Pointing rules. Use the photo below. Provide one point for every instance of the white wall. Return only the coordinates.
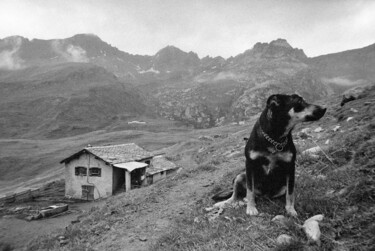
(73, 183)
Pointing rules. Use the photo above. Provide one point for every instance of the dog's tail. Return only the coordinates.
(223, 195)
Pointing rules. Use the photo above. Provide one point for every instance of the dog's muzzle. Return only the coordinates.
(317, 113)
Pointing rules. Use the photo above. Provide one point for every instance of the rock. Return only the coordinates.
(318, 217)
(63, 242)
(343, 191)
(280, 219)
(353, 94)
(318, 129)
(311, 228)
(327, 142)
(348, 119)
(197, 220)
(336, 128)
(305, 130)
(353, 110)
(75, 221)
(312, 151)
(304, 135)
(142, 238)
(61, 237)
(207, 138)
(284, 239)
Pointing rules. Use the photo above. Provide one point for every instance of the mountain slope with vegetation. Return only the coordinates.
(202, 92)
(338, 182)
(64, 100)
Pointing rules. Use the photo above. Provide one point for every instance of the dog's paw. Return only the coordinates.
(291, 211)
(251, 210)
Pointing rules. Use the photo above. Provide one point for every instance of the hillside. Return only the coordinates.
(338, 182)
(346, 68)
(63, 100)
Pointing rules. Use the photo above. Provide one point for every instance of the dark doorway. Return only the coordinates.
(137, 177)
(118, 180)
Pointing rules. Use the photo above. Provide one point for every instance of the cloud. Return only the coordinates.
(71, 53)
(76, 53)
(210, 27)
(8, 58)
(343, 81)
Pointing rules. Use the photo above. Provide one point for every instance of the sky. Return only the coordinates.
(208, 27)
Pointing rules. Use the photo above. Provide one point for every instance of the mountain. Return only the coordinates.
(346, 68)
(230, 90)
(171, 59)
(18, 53)
(63, 100)
(205, 91)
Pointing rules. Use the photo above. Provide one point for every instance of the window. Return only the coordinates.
(81, 171)
(95, 171)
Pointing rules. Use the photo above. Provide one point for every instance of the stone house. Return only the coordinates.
(101, 171)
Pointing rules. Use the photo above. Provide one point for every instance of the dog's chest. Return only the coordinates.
(269, 161)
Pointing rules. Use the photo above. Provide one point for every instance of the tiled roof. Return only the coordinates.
(159, 164)
(115, 154)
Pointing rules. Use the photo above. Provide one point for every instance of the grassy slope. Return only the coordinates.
(27, 162)
(339, 184)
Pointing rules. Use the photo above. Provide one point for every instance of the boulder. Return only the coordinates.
(284, 239)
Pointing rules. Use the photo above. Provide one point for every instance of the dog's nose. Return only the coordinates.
(320, 112)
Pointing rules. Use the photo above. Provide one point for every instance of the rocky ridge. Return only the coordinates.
(203, 92)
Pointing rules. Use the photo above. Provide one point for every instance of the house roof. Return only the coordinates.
(114, 154)
(159, 164)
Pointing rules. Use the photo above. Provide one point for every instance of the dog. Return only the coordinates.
(271, 154)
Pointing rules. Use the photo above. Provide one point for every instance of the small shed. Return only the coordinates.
(159, 168)
(100, 171)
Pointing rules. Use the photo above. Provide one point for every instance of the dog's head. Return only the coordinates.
(290, 110)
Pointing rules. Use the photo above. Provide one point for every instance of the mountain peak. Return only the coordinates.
(14, 39)
(281, 42)
(86, 35)
(276, 49)
(172, 58)
(170, 49)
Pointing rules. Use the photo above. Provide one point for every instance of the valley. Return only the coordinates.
(60, 95)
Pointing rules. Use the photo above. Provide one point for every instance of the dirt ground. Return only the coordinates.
(17, 232)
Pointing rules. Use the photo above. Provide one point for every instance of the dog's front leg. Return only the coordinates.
(250, 191)
(238, 184)
(290, 192)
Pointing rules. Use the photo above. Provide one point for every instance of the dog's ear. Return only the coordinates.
(273, 101)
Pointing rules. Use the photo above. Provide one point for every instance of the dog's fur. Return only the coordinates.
(270, 171)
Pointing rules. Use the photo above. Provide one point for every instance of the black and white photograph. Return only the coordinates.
(187, 125)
